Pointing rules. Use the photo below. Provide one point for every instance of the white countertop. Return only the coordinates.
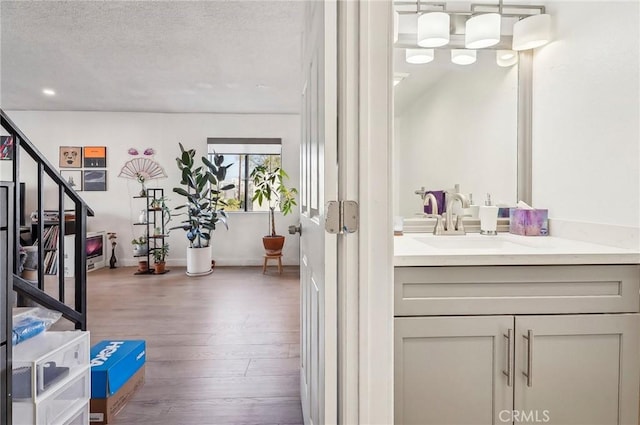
(473, 249)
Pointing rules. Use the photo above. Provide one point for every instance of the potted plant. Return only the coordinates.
(140, 246)
(268, 186)
(159, 256)
(203, 202)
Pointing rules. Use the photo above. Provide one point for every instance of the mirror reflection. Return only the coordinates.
(454, 124)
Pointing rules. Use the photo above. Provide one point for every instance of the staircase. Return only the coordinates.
(67, 197)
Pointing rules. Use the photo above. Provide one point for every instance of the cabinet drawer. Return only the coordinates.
(79, 417)
(46, 360)
(425, 291)
(56, 406)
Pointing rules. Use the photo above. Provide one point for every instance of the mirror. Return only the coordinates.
(455, 124)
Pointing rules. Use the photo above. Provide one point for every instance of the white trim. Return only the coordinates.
(328, 190)
(244, 149)
(348, 179)
(376, 231)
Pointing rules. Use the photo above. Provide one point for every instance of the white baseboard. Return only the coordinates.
(222, 262)
(605, 234)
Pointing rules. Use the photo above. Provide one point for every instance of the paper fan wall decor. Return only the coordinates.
(142, 167)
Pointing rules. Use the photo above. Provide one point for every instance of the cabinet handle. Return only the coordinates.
(509, 372)
(528, 373)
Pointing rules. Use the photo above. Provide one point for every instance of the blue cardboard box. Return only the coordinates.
(113, 362)
(117, 371)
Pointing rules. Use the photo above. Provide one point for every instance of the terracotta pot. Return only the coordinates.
(143, 266)
(159, 268)
(273, 244)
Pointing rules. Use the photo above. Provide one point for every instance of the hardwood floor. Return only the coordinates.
(221, 349)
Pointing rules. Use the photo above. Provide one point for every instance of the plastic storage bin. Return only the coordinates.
(43, 363)
(79, 417)
(58, 404)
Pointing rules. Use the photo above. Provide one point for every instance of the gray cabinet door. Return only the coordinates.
(583, 369)
(449, 370)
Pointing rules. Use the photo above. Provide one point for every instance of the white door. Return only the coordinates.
(575, 365)
(452, 370)
(318, 356)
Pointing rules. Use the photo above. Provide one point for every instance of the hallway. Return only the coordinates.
(221, 349)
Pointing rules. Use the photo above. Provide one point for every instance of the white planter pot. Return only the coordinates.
(199, 261)
(140, 249)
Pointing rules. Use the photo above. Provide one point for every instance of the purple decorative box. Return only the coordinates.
(528, 222)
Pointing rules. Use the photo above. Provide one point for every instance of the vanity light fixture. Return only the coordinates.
(465, 32)
(531, 32)
(433, 29)
(463, 56)
(419, 56)
(506, 58)
(48, 92)
(482, 31)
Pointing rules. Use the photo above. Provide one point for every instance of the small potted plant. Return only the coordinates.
(203, 206)
(159, 256)
(269, 187)
(140, 246)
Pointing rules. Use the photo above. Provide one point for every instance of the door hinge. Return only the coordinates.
(341, 217)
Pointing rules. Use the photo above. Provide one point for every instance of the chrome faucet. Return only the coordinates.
(449, 227)
(438, 229)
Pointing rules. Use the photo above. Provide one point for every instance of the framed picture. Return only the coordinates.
(94, 180)
(70, 157)
(73, 177)
(95, 156)
(6, 147)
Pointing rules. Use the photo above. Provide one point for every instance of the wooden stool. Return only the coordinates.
(272, 257)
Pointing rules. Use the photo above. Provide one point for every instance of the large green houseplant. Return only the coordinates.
(269, 187)
(203, 205)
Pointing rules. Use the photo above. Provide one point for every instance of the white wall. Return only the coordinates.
(462, 130)
(586, 97)
(115, 209)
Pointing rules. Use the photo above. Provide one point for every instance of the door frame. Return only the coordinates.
(365, 310)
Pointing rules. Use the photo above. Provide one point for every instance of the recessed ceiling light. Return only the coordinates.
(48, 92)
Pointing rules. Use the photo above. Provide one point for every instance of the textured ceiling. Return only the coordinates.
(157, 56)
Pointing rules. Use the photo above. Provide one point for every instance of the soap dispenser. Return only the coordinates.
(473, 209)
(488, 218)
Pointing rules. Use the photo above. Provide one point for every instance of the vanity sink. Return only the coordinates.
(469, 242)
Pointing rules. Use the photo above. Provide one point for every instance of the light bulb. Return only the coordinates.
(531, 32)
(506, 57)
(433, 29)
(463, 56)
(482, 31)
(419, 56)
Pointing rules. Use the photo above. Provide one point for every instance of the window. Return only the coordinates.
(244, 155)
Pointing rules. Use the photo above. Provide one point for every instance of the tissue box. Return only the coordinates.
(528, 222)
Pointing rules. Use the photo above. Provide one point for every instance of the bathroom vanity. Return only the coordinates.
(510, 329)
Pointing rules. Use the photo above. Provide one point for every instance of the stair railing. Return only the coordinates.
(77, 314)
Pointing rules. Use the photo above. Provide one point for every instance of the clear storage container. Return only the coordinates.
(59, 404)
(79, 417)
(43, 363)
